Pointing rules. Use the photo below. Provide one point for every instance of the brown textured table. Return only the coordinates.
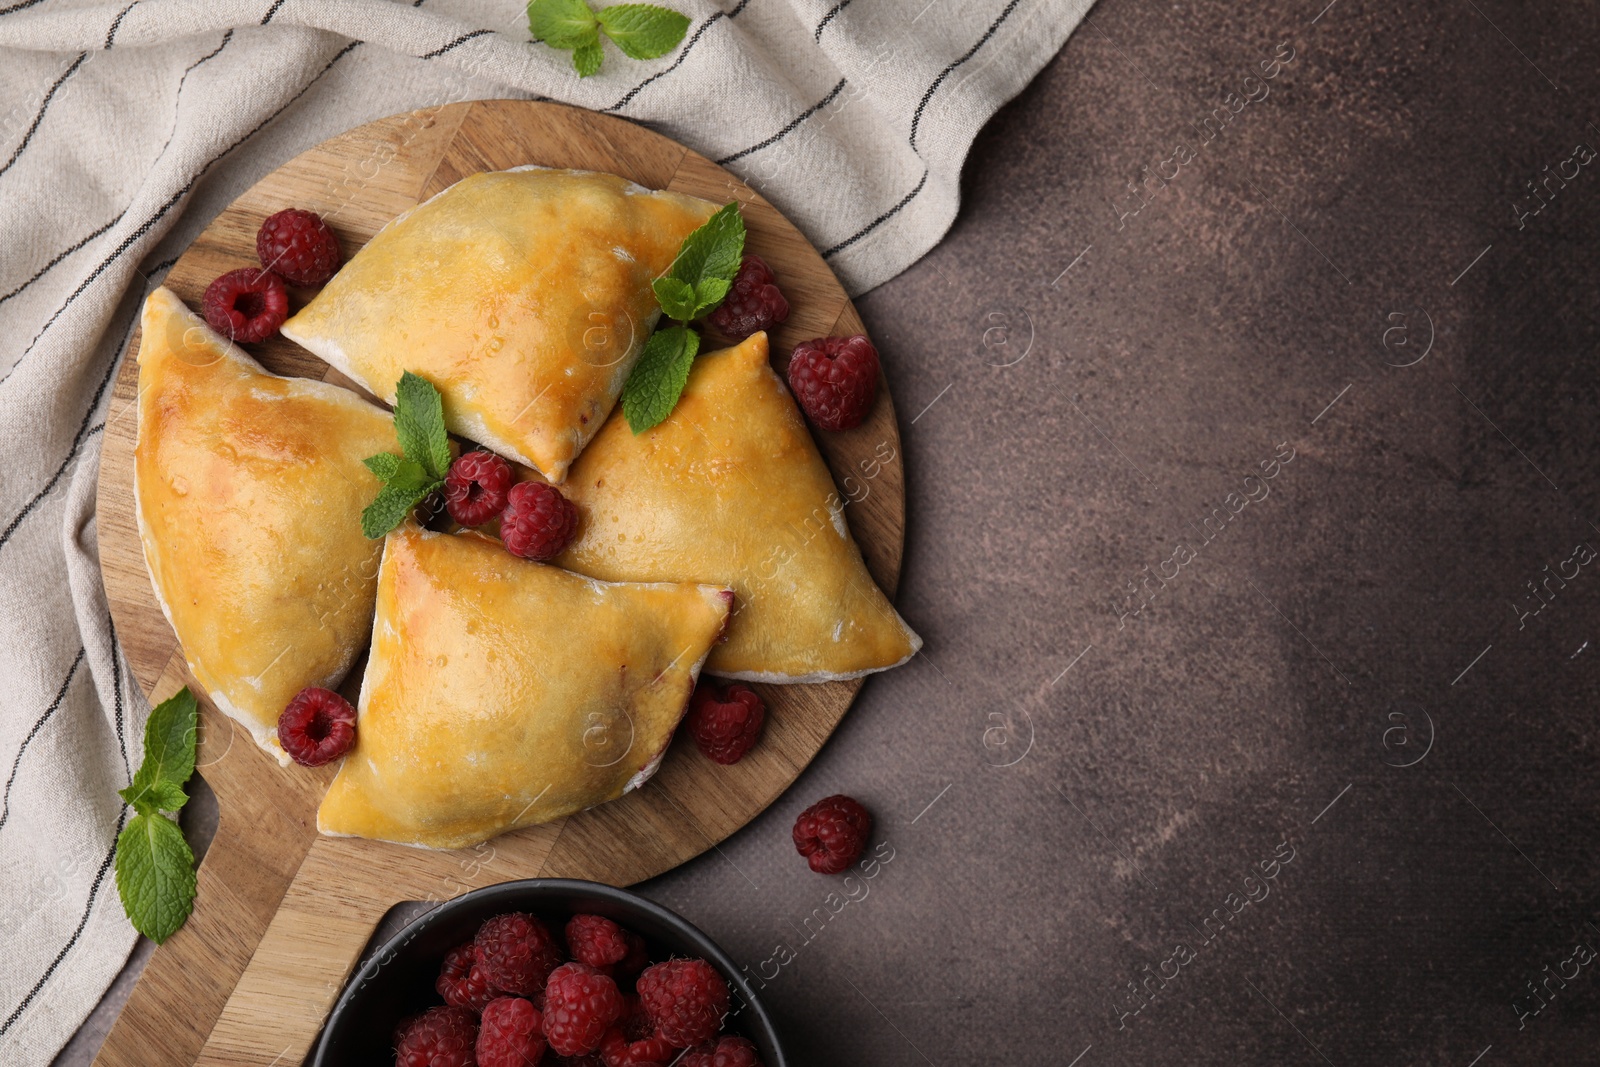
(1155, 675)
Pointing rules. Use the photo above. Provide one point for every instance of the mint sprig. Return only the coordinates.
(408, 478)
(641, 31)
(697, 281)
(154, 867)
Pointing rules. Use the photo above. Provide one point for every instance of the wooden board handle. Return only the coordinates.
(299, 967)
(185, 985)
(326, 919)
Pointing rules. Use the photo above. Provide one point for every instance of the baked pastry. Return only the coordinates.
(502, 693)
(522, 295)
(730, 489)
(248, 489)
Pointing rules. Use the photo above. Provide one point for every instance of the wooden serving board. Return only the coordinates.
(282, 914)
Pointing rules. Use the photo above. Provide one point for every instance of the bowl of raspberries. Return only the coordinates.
(549, 973)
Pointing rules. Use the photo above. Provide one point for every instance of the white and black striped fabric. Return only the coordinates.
(126, 126)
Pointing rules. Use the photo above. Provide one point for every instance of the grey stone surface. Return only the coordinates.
(1335, 681)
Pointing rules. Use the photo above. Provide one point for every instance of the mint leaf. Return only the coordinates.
(587, 57)
(676, 297)
(149, 797)
(658, 378)
(709, 293)
(390, 509)
(384, 465)
(643, 31)
(170, 743)
(563, 23)
(408, 474)
(155, 875)
(711, 253)
(155, 869)
(419, 423)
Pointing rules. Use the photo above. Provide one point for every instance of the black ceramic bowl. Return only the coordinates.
(397, 980)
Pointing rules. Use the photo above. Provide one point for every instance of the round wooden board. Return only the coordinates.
(282, 913)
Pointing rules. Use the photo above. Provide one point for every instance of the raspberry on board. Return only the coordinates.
(725, 725)
(832, 833)
(299, 247)
(511, 1034)
(538, 522)
(596, 940)
(461, 981)
(477, 487)
(754, 302)
(317, 727)
(440, 1037)
(516, 953)
(246, 305)
(835, 380)
(729, 1051)
(580, 1004)
(685, 999)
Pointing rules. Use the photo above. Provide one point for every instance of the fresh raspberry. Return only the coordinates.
(461, 980)
(754, 303)
(317, 727)
(298, 246)
(832, 833)
(725, 726)
(725, 1052)
(580, 1004)
(685, 999)
(516, 953)
(637, 959)
(632, 1040)
(511, 1034)
(476, 488)
(246, 305)
(617, 1051)
(597, 941)
(835, 379)
(439, 1037)
(538, 521)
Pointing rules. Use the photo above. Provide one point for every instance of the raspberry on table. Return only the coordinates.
(728, 1051)
(516, 953)
(538, 522)
(299, 247)
(835, 379)
(246, 305)
(462, 982)
(511, 1034)
(685, 1000)
(752, 304)
(317, 727)
(580, 1004)
(832, 833)
(725, 726)
(477, 487)
(596, 940)
(440, 1037)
